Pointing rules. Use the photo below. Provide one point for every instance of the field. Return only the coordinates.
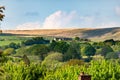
(94, 34)
(5, 40)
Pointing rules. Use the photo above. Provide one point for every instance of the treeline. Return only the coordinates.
(73, 49)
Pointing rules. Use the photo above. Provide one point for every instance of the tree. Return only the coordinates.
(26, 60)
(116, 48)
(106, 49)
(52, 45)
(21, 51)
(13, 45)
(53, 60)
(54, 56)
(60, 46)
(77, 38)
(38, 49)
(73, 52)
(1, 12)
(88, 50)
(112, 55)
(36, 40)
(109, 42)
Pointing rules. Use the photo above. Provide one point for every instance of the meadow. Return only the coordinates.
(5, 40)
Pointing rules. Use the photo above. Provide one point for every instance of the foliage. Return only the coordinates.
(26, 60)
(18, 71)
(77, 38)
(9, 51)
(106, 49)
(1, 12)
(73, 52)
(60, 46)
(88, 50)
(21, 51)
(38, 49)
(116, 48)
(109, 42)
(73, 62)
(112, 55)
(3, 59)
(53, 60)
(36, 40)
(12, 45)
(63, 64)
(54, 56)
(99, 70)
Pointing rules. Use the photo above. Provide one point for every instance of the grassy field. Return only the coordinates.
(5, 40)
(2, 43)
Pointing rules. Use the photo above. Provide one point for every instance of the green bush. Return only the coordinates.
(19, 71)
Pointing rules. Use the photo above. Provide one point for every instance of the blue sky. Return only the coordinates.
(49, 14)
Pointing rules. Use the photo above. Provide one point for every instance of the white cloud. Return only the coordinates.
(62, 19)
(117, 9)
(29, 26)
(59, 19)
(56, 20)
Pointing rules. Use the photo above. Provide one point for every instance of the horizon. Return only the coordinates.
(45, 14)
(60, 29)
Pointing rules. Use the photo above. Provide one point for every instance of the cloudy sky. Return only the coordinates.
(49, 14)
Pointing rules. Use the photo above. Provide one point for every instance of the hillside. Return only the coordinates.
(94, 34)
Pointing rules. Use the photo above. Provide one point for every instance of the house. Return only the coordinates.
(62, 39)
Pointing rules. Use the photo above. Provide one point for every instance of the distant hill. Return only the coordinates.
(93, 34)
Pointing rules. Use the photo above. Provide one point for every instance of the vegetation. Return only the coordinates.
(1, 12)
(59, 60)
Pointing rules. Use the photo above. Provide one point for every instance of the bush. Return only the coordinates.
(18, 71)
(9, 51)
(73, 62)
(53, 60)
(112, 55)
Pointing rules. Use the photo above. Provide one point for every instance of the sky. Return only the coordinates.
(60, 14)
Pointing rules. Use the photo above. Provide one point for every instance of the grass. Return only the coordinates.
(5, 40)
(3, 43)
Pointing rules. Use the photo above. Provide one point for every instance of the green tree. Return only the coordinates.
(36, 40)
(87, 50)
(52, 45)
(60, 46)
(26, 60)
(21, 51)
(116, 48)
(112, 55)
(106, 49)
(109, 42)
(13, 45)
(38, 49)
(53, 60)
(77, 38)
(73, 52)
